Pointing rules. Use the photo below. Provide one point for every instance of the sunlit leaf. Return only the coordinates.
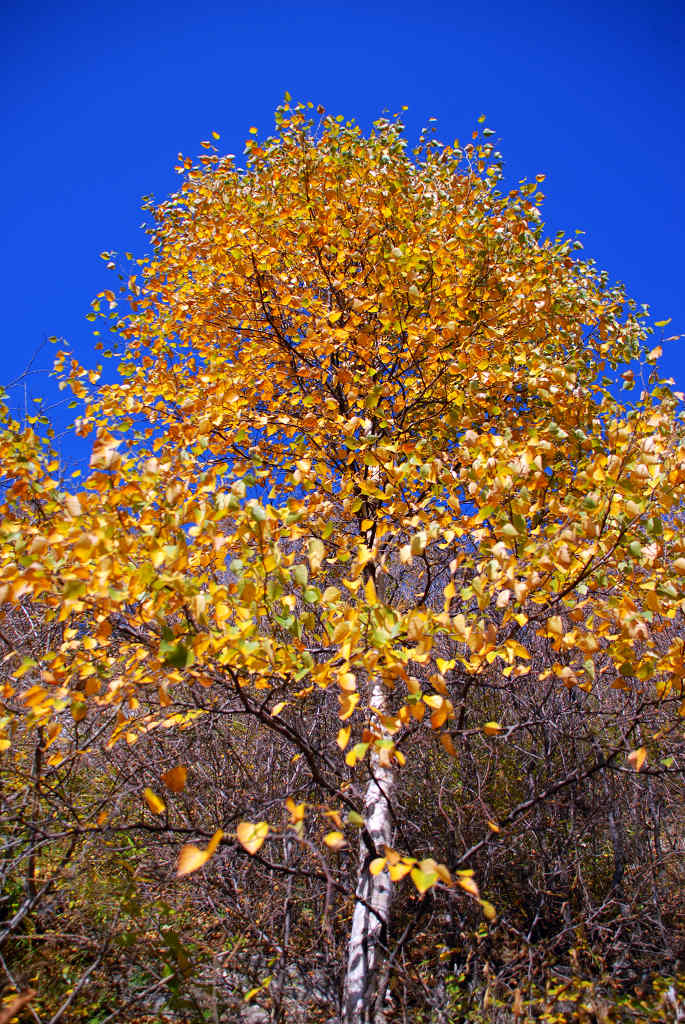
(251, 837)
(637, 758)
(155, 803)
(192, 857)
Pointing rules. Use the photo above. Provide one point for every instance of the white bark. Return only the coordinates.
(362, 1000)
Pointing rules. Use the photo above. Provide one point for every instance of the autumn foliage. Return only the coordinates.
(364, 502)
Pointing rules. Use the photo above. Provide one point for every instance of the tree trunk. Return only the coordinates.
(367, 949)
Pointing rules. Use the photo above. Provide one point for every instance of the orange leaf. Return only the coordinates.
(155, 803)
(175, 778)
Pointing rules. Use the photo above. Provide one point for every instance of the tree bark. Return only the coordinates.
(367, 948)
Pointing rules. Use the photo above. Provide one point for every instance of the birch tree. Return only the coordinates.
(364, 433)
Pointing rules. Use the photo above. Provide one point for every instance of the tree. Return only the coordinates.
(363, 451)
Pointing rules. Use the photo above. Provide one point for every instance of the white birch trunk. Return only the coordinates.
(362, 999)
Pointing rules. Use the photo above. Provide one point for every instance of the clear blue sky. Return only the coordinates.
(99, 99)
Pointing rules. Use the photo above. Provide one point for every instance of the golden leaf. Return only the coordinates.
(343, 737)
(398, 871)
(348, 702)
(423, 879)
(468, 885)
(251, 837)
(488, 910)
(191, 857)
(637, 758)
(296, 810)
(154, 802)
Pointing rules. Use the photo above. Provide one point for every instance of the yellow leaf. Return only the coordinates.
(468, 885)
(155, 803)
(488, 910)
(370, 591)
(296, 810)
(377, 865)
(347, 681)
(348, 702)
(277, 708)
(343, 737)
(336, 840)
(555, 626)
(406, 557)
(357, 753)
(175, 778)
(439, 717)
(316, 553)
(637, 758)
(398, 871)
(423, 880)
(79, 709)
(443, 873)
(250, 836)
(434, 700)
(492, 728)
(191, 857)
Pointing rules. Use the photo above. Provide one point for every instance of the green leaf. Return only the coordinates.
(423, 880)
(176, 654)
(300, 574)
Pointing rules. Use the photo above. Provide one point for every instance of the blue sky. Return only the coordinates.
(99, 99)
